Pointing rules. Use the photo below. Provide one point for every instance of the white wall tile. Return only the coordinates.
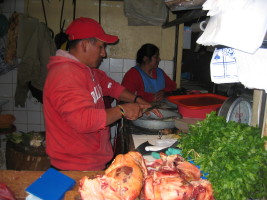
(8, 6)
(42, 121)
(116, 76)
(42, 128)
(128, 64)
(22, 127)
(21, 117)
(9, 105)
(14, 76)
(6, 90)
(19, 6)
(162, 64)
(7, 112)
(6, 78)
(19, 108)
(105, 66)
(14, 86)
(168, 67)
(34, 117)
(33, 104)
(171, 76)
(116, 65)
(34, 127)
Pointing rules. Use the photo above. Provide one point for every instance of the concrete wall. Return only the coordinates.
(112, 19)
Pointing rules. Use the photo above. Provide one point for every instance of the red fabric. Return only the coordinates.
(133, 81)
(83, 27)
(77, 137)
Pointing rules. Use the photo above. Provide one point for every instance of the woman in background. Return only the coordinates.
(146, 79)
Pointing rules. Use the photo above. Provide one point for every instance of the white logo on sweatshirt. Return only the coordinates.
(97, 93)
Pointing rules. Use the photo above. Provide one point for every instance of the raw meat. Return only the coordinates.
(123, 180)
(129, 177)
(173, 178)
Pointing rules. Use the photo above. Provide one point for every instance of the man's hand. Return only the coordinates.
(132, 111)
(146, 105)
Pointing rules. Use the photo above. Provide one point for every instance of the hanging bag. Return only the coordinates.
(61, 37)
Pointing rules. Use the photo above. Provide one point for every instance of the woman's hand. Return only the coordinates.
(160, 95)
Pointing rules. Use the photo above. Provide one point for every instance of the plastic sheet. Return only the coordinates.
(145, 12)
(184, 4)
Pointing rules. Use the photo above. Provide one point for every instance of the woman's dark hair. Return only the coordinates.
(147, 50)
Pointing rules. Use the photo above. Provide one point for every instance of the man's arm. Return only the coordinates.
(130, 97)
(127, 96)
(131, 110)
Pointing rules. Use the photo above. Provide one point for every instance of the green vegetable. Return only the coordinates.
(31, 138)
(15, 137)
(232, 154)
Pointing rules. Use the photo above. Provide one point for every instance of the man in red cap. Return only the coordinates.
(76, 121)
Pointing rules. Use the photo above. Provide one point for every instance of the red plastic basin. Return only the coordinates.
(197, 105)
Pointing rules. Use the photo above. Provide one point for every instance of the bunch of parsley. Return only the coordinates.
(232, 154)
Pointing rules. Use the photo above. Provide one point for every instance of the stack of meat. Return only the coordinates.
(130, 177)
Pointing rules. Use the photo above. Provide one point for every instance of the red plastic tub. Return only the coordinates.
(197, 105)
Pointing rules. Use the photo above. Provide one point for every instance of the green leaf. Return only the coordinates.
(233, 154)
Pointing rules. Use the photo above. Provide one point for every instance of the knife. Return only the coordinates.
(142, 148)
(154, 106)
(155, 148)
(149, 109)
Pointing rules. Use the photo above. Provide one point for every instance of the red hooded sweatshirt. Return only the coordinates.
(77, 137)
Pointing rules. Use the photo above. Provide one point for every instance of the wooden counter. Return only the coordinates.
(18, 181)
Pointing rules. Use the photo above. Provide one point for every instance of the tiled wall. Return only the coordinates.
(31, 118)
(6, 81)
(9, 6)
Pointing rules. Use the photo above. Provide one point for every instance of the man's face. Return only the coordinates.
(95, 53)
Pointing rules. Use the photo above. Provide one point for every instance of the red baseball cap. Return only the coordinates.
(83, 27)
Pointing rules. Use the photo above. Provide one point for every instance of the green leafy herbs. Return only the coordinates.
(232, 154)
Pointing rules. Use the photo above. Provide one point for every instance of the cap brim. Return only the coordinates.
(108, 38)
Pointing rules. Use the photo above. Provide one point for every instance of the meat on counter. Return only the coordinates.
(130, 176)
